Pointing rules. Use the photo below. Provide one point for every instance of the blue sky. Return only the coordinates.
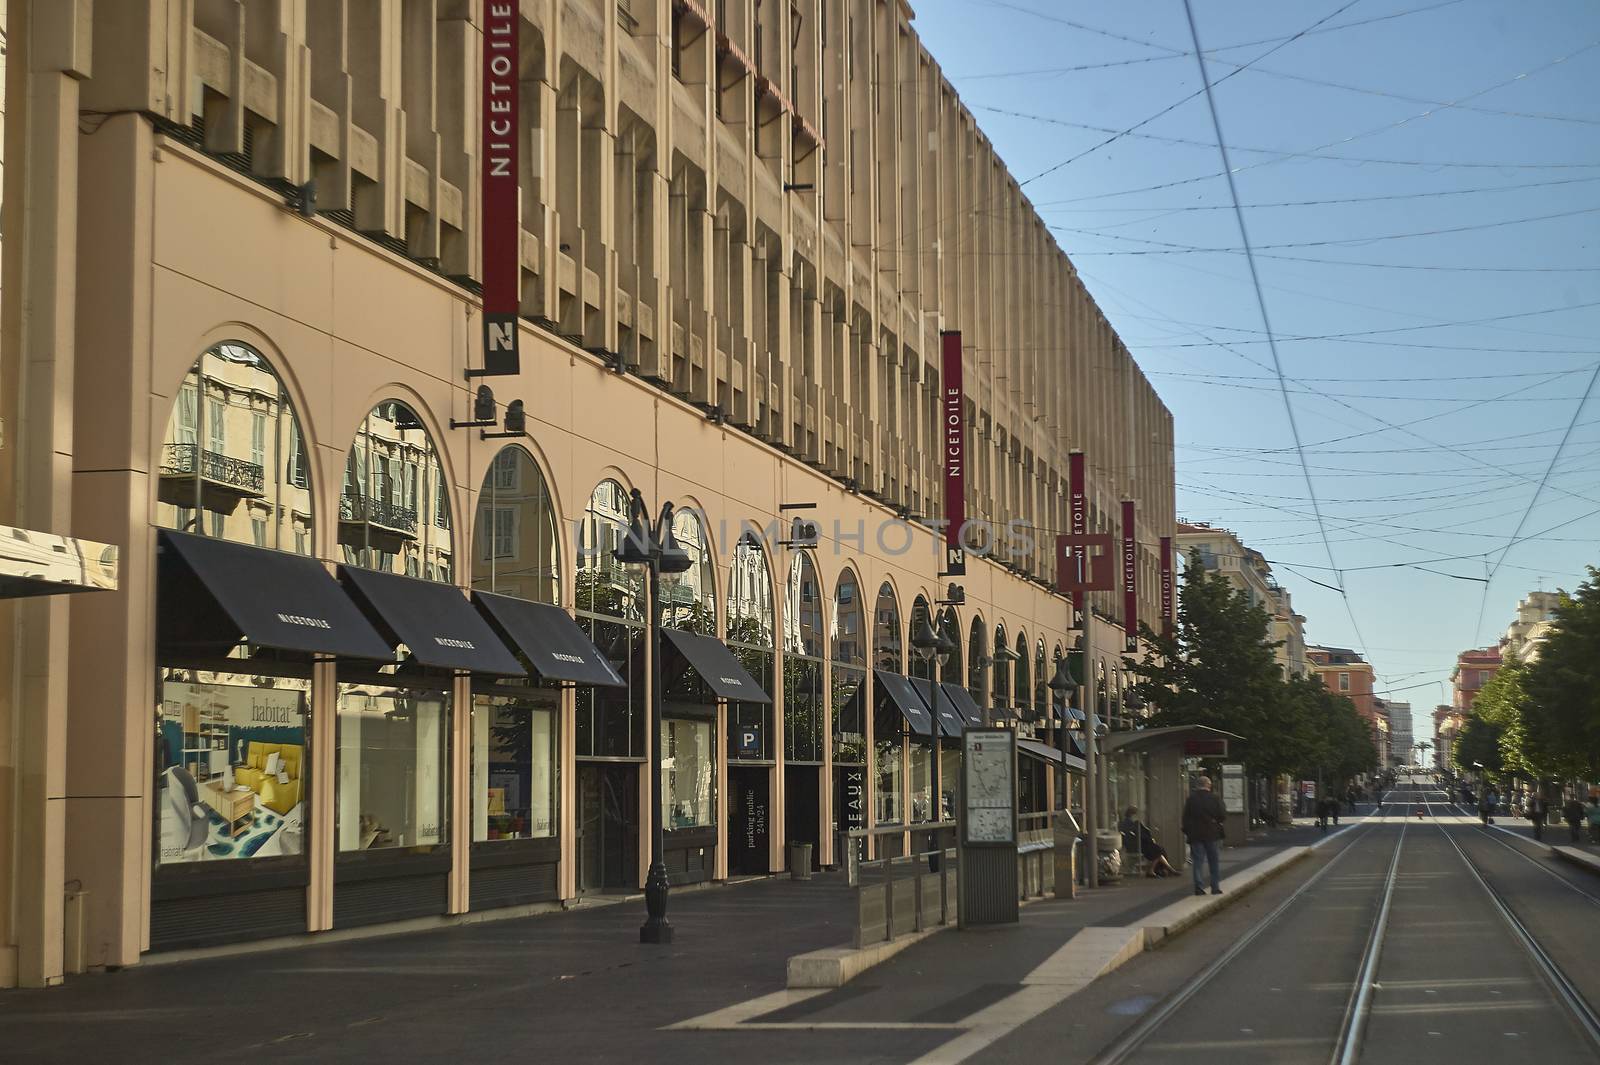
(1464, 138)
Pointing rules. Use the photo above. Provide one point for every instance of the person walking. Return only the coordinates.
(1572, 814)
(1487, 807)
(1537, 812)
(1203, 818)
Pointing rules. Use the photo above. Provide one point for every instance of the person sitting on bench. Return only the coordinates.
(1136, 837)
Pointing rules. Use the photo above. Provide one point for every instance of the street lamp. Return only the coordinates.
(658, 551)
(1060, 686)
(930, 645)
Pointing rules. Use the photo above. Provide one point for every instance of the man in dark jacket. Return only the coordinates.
(1536, 811)
(1572, 813)
(1202, 824)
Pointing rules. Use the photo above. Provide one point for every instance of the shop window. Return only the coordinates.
(514, 762)
(231, 762)
(804, 708)
(687, 773)
(750, 638)
(379, 520)
(890, 776)
(233, 466)
(921, 783)
(393, 762)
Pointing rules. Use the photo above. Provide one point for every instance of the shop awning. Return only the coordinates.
(434, 621)
(951, 718)
(963, 702)
(1046, 753)
(1196, 740)
(551, 641)
(900, 692)
(710, 658)
(215, 593)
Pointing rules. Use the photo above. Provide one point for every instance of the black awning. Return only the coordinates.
(900, 692)
(951, 718)
(1046, 753)
(215, 593)
(710, 658)
(434, 621)
(962, 700)
(552, 642)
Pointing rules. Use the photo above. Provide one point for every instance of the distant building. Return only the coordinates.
(1447, 721)
(1535, 618)
(1346, 673)
(1401, 735)
(1474, 669)
(1221, 551)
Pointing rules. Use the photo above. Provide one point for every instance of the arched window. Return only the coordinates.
(977, 670)
(1022, 693)
(1002, 675)
(689, 599)
(609, 602)
(516, 543)
(750, 637)
(1041, 682)
(803, 636)
(394, 508)
(919, 666)
(849, 696)
(950, 629)
(233, 465)
(233, 462)
(923, 747)
(887, 651)
(887, 654)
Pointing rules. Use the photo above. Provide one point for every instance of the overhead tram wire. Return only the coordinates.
(1261, 303)
(1174, 208)
(1537, 492)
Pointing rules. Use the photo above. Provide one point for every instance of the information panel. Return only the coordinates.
(1233, 789)
(989, 787)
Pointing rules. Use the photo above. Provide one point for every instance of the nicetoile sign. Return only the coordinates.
(1166, 586)
(1130, 579)
(1078, 521)
(502, 226)
(953, 413)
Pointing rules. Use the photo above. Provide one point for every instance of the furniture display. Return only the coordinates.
(234, 807)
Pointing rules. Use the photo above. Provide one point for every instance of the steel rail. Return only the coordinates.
(1563, 987)
(1347, 1045)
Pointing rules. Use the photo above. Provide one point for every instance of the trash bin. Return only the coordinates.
(800, 861)
(1108, 844)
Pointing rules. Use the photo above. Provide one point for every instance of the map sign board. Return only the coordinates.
(989, 787)
(1233, 788)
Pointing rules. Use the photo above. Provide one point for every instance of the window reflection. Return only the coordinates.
(392, 766)
(804, 708)
(516, 547)
(750, 638)
(513, 766)
(689, 599)
(394, 509)
(233, 462)
(610, 722)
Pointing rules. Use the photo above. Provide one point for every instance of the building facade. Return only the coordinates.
(1447, 722)
(1402, 737)
(1221, 551)
(1349, 674)
(1536, 614)
(1473, 670)
(733, 289)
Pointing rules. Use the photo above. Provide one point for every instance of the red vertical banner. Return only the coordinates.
(1130, 580)
(953, 411)
(501, 222)
(1078, 518)
(1166, 586)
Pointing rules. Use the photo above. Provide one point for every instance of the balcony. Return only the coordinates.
(218, 472)
(380, 514)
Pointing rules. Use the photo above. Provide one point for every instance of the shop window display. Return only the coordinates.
(513, 767)
(232, 767)
(393, 764)
(688, 776)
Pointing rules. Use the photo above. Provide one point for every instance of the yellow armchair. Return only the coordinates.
(273, 793)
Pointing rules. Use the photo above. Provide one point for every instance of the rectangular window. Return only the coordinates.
(513, 768)
(258, 438)
(301, 546)
(216, 425)
(1344, 682)
(500, 533)
(231, 758)
(218, 522)
(258, 530)
(296, 472)
(505, 471)
(187, 414)
(393, 769)
(886, 796)
(687, 780)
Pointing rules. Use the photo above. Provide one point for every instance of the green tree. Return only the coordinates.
(1562, 714)
(1218, 669)
(1337, 739)
(1478, 743)
(1501, 703)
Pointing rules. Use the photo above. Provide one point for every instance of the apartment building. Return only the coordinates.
(367, 663)
(1221, 551)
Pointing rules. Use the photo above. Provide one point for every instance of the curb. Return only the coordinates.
(1185, 913)
(837, 966)
(1574, 856)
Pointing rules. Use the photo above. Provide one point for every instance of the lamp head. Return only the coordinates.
(1063, 681)
(516, 417)
(672, 557)
(635, 547)
(483, 404)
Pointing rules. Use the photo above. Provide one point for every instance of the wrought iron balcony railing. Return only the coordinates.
(179, 460)
(378, 512)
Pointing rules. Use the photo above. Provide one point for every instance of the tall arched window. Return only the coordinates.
(609, 601)
(233, 465)
(922, 747)
(689, 599)
(751, 638)
(394, 508)
(1041, 682)
(1002, 675)
(803, 635)
(950, 629)
(849, 672)
(887, 654)
(233, 462)
(977, 670)
(918, 666)
(517, 546)
(1022, 693)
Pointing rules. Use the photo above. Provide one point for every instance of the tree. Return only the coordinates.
(1501, 703)
(1218, 669)
(1478, 743)
(1338, 740)
(1562, 714)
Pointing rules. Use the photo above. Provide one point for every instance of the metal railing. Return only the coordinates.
(897, 896)
(378, 512)
(214, 466)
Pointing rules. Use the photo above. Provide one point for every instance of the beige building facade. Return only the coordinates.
(1536, 615)
(252, 228)
(1221, 551)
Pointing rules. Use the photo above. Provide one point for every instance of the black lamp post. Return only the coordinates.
(932, 647)
(1060, 686)
(657, 550)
